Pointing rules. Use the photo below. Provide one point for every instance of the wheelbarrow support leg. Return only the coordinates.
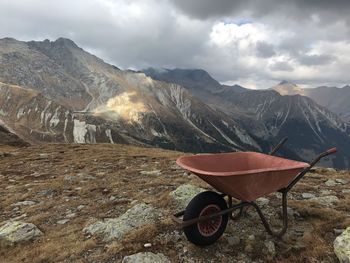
(240, 213)
(267, 226)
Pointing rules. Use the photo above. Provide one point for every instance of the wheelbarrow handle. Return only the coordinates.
(278, 146)
(312, 164)
(324, 154)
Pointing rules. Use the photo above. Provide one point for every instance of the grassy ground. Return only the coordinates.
(100, 181)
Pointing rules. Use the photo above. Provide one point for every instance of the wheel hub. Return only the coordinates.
(211, 226)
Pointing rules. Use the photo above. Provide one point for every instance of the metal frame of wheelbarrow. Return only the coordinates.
(232, 207)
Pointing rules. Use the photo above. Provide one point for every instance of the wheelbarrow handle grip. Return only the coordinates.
(331, 151)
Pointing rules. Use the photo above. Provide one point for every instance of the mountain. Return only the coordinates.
(55, 91)
(288, 88)
(197, 81)
(335, 99)
(270, 116)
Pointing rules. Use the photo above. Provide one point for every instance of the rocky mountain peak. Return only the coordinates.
(286, 82)
(288, 88)
(65, 42)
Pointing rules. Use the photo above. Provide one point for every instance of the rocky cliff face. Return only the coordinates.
(55, 91)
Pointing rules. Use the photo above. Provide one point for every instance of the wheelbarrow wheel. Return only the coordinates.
(206, 232)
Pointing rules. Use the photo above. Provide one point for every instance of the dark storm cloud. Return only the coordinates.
(265, 50)
(204, 9)
(314, 60)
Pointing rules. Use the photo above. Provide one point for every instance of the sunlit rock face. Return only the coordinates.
(125, 106)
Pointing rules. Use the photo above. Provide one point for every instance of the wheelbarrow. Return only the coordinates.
(244, 176)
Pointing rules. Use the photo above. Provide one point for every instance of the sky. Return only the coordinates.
(253, 43)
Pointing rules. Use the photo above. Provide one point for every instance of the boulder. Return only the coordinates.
(330, 182)
(342, 246)
(341, 181)
(184, 193)
(115, 228)
(146, 257)
(14, 232)
(330, 170)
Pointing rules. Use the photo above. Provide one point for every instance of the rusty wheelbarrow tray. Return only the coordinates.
(245, 176)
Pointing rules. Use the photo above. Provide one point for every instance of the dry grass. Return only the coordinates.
(68, 176)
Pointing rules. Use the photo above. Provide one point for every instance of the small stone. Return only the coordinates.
(63, 221)
(186, 174)
(233, 240)
(43, 156)
(71, 215)
(146, 257)
(270, 249)
(342, 246)
(330, 182)
(147, 245)
(81, 177)
(17, 231)
(345, 191)
(112, 198)
(307, 195)
(154, 172)
(328, 200)
(262, 201)
(331, 170)
(80, 207)
(25, 203)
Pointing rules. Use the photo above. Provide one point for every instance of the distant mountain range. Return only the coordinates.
(333, 98)
(268, 115)
(54, 91)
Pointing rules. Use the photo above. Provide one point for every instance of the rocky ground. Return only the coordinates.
(112, 203)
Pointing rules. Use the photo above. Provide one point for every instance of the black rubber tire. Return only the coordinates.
(194, 209)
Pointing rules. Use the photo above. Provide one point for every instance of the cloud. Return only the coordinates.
(281, 66)
(239, 41)
(265, 50)
(324, 10)
(312, 60)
